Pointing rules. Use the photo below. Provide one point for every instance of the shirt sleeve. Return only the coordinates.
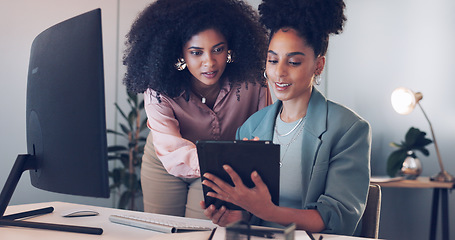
(178, 155)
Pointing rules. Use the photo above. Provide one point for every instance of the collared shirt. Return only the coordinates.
(176, 124)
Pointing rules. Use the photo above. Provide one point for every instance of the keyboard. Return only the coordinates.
(163, 223)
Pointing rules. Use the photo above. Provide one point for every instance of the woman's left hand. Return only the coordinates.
(253, 200)
(222, 216)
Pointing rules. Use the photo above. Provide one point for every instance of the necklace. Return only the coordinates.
(203, 99)
(209, 94)
(287, 145)
(284, 135)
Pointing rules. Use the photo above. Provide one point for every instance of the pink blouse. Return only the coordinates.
(176, 124)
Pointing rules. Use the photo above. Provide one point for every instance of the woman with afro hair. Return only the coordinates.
(199, 64)
(325, 147)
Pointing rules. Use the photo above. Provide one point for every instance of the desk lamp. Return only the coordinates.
(404, 101)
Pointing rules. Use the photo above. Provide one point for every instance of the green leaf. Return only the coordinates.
(132, 118)
(415, 138)
(411, 136)
(120, 111)
(124, 199)
(113, 132)
(113, 157)
(131, 95)
(117, 176)
(143, 125)
(141, 149)
(392, 144)
(125, 129)
(395, 162)
(422, 141)
(116, 148)
(125, 159)
(424, 151)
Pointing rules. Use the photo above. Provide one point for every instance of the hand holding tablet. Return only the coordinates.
(244, 157)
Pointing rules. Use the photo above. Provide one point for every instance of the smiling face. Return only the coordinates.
(205, 55)
(291, 66)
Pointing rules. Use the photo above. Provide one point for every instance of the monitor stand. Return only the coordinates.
(23, 163)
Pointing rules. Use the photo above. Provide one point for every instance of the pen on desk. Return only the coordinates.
(29, 213)
(51, 226)
(212, 234)
(310, 235)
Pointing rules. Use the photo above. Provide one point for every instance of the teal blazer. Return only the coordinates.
(335, 159)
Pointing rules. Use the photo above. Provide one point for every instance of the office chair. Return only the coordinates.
(371, 216)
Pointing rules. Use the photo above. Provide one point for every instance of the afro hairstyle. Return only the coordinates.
(314, 20)
(156, 38)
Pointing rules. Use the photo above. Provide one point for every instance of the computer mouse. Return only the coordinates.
(79, 213)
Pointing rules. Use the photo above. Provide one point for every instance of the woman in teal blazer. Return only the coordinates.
(335, 159)
(325, 147)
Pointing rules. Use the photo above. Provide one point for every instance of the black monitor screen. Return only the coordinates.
(66, 126)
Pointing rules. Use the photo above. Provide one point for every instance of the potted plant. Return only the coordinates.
(415, 140)
(126, 181)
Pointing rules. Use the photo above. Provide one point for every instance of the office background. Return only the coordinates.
(385, 44)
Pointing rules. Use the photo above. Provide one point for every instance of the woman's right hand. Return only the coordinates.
(221, 216)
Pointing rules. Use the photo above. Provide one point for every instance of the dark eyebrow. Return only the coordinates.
(289, 54)
(221, 43)
(295, 53)
(216, 45)
(193, 47)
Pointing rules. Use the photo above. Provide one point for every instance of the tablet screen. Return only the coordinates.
(244, 157)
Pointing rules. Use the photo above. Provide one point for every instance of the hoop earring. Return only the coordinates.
(229, 57)
(181, 64)
(265, 75)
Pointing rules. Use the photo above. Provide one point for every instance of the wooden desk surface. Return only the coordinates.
(420, 182)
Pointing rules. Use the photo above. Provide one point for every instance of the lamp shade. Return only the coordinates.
(404, 100)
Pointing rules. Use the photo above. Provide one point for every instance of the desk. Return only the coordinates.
(111, 230)
(439, 189)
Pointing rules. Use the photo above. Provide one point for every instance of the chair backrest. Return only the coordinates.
(371, 216)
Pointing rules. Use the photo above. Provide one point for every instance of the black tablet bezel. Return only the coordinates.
(244, 157)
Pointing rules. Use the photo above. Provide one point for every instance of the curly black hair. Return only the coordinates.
(314, 20)
(158, 35)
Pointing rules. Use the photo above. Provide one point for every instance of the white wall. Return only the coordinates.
(388, 44)
(385, 44)
(20, 22)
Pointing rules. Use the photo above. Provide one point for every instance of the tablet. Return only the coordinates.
(244, 157)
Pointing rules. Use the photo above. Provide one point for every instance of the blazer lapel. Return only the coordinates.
(315, 126)
(265, 129)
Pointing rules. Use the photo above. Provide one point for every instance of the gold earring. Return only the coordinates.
(229, 57)
(181, 64)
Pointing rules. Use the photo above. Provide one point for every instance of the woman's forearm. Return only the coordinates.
(305, 219)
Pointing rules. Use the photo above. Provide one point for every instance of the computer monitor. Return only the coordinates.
(66, 123)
